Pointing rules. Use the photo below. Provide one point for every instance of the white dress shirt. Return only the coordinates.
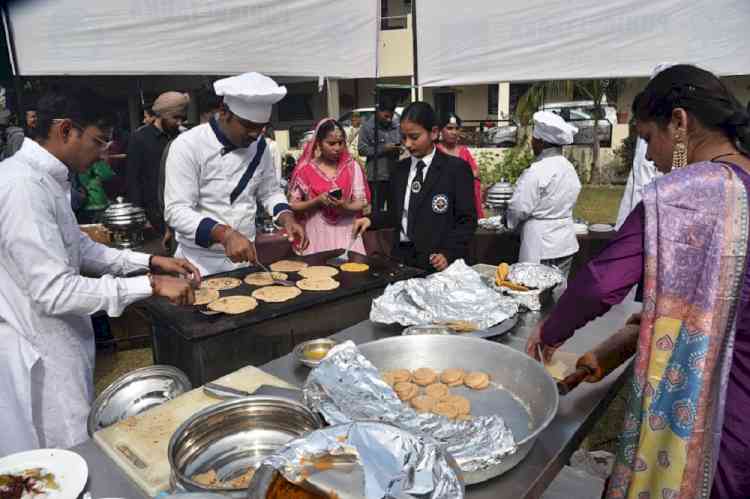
(199, 180)
(46, 339)
(542, 203)
(427, 160)
(642, 174)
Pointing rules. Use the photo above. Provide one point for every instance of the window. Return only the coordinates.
(295, 107)
(493, 98)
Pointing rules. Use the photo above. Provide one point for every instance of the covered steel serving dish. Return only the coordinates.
(126, 222)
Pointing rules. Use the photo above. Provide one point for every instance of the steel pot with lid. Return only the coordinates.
(500, 193)
(126, 222)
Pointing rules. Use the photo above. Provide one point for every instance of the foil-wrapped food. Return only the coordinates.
(476, 444)
(456, 294)
(535, 275)
(369, 460)
(492, 223)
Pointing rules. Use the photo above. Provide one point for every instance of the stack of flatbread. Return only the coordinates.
(318, 272)
(318, 284)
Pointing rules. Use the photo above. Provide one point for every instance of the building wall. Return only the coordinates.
(396, 54)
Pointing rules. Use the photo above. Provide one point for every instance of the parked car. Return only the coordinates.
(502, 135)
(578, 113)
(581, 115)
(346, 121)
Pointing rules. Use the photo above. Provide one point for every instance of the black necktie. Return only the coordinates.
(416, 195)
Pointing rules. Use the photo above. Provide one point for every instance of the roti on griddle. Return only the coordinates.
(204, 296)
(288, 266)
(221, 283)
(324, 284)
(233, 304)
(276, 294)
(318, 272)
(264, 278)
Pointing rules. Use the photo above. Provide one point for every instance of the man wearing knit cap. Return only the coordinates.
(217, 172)
(145, 150)
(542, 204)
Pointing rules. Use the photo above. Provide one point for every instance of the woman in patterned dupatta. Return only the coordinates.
(329, 190)
(686, 433)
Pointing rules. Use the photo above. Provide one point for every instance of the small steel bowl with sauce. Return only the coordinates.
(310, 353)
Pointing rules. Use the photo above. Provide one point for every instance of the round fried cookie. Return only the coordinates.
(445, 409)
(423, 403)
(453, 376)
(438, 391)
(399, 375)
(424, 376)
(477, 380)
(405, 390)
(462, 403)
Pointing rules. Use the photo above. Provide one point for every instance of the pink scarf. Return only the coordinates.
(310, 179)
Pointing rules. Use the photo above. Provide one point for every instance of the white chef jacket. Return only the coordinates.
(642, 173)
(46, 339)
(200, 176)
(273, 148)
(427, 160)
(542, 204)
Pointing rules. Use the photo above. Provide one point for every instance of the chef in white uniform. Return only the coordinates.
(641, 174)
(544, 197)
(46, 339)
(218, 171)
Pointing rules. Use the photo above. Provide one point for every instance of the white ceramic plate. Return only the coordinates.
(601, 228)
(70, 470)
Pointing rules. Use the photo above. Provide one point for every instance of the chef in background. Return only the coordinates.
(545, 194)
(217, 172)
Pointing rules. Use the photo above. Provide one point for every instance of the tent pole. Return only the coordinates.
(415, 78)
(17, 81)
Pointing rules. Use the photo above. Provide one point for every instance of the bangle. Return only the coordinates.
(151, 281)
(151, 262)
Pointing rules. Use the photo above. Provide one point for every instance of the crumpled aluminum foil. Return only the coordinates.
(529, 299)
(476, 444)
(535, 275)
(457, 293)
(370, 460)
(492, 223)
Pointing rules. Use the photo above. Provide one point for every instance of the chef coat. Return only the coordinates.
(46, 339)
(542, 205)
(209, 181)
(642, 173)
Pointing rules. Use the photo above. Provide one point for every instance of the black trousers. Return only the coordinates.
(379, 193)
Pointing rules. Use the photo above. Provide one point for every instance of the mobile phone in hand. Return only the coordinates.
(336, 193)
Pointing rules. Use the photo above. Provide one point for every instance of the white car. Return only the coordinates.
(581, 115)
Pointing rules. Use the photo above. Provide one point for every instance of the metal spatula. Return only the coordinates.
(280, 282)
(344, 257)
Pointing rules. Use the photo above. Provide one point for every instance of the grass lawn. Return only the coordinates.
(598, 204)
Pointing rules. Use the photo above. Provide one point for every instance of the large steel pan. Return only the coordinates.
(521, 391)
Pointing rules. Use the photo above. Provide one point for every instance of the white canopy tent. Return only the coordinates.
(525, 40)
(332, 38)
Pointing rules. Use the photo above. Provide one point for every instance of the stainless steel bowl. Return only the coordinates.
(233, 437)
(310, 353)
(136, 392)
(521, 391)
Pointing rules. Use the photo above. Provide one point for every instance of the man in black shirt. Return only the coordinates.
(145, 151)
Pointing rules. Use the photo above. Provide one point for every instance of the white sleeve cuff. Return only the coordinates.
(138, 288)
(138, 259)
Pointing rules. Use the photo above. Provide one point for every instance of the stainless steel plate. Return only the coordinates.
(233, 437)
(135, 393)
(496, 330)
(520, 391)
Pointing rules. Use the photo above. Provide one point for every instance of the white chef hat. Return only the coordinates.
(552, 129)
(250, 95)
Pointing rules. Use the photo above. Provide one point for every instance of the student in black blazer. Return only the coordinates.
(431, 198)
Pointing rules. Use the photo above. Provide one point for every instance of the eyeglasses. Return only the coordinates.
(104, 145)
(248, 125)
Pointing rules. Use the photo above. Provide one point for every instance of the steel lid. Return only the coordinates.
(502, 188)
(122, 210)
(136, 392)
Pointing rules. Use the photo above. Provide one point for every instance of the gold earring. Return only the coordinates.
(679, 152)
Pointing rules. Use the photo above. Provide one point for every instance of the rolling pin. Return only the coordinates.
(595, 364)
